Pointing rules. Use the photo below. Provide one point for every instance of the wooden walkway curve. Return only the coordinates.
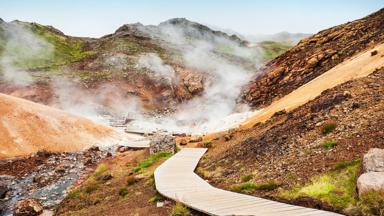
(176, 179)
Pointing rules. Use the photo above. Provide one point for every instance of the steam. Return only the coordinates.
(98, 104)
(160, 71)
(21, 50)
(216, 109)
(218, 58)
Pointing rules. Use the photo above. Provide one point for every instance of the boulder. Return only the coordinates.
(161, 142)
(196, 138)
(28, 207)
(374, 160)
(122, 149)
(183, 141)
(194, 83)
(371, 181)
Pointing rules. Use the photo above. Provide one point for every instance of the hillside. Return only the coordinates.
(312, 57)
(39, 55)
(305, 146)
(27, 127)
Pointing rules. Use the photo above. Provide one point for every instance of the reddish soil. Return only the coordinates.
(290, 143)
(26, 127)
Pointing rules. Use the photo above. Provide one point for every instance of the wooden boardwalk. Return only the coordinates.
(176, 179)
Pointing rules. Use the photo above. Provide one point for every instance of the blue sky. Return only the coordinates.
(95, 18)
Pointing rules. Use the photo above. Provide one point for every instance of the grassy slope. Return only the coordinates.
(273, 49)
(64, 49)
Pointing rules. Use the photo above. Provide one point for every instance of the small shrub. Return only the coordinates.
(372, 203)
(329, 127)
(100, 169)
(246, 178)
(156, 198)
(74, 194)
(329, 144)
(123, 192)
(207, 144)
(131, 180)
(180, 210)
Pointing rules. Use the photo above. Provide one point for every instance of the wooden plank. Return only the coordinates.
(176, 179)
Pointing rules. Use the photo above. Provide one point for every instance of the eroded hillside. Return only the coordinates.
(312, 57)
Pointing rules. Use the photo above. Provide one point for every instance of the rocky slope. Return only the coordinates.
(288, 156)
(312, 57)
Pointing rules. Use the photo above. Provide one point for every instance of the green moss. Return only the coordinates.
(329, 144)
(372, 203)
(123, 192)
(337, 187)
(327, 128)
(180, 210)
(246, 178)
(207, 144)
(248, 187)
(150, 160)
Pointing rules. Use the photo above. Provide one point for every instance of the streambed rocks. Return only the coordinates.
(28, 207)
(44, 176)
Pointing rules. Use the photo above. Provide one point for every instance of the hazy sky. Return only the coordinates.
(95, 18)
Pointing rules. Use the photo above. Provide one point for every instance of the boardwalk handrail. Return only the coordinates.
(176, 179)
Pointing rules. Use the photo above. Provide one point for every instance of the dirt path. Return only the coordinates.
(358, 66)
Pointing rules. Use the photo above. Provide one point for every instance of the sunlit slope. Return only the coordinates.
(26, 127)
(358, 66)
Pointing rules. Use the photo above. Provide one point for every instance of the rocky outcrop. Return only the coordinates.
(374, 160)
(194, 83)
(373, 165)
(162, 143)
(370, 181)
(312, 57)
(28, 207)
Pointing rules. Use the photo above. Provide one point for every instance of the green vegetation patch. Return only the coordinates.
(246, 178)
(372, 203)
(207, 144)
(43, 47)
(151, 160)
(272, 49)
(337, 187)
(329, 144)
(328, 128)
(123, 192)
(180, 210)
(248, 187)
